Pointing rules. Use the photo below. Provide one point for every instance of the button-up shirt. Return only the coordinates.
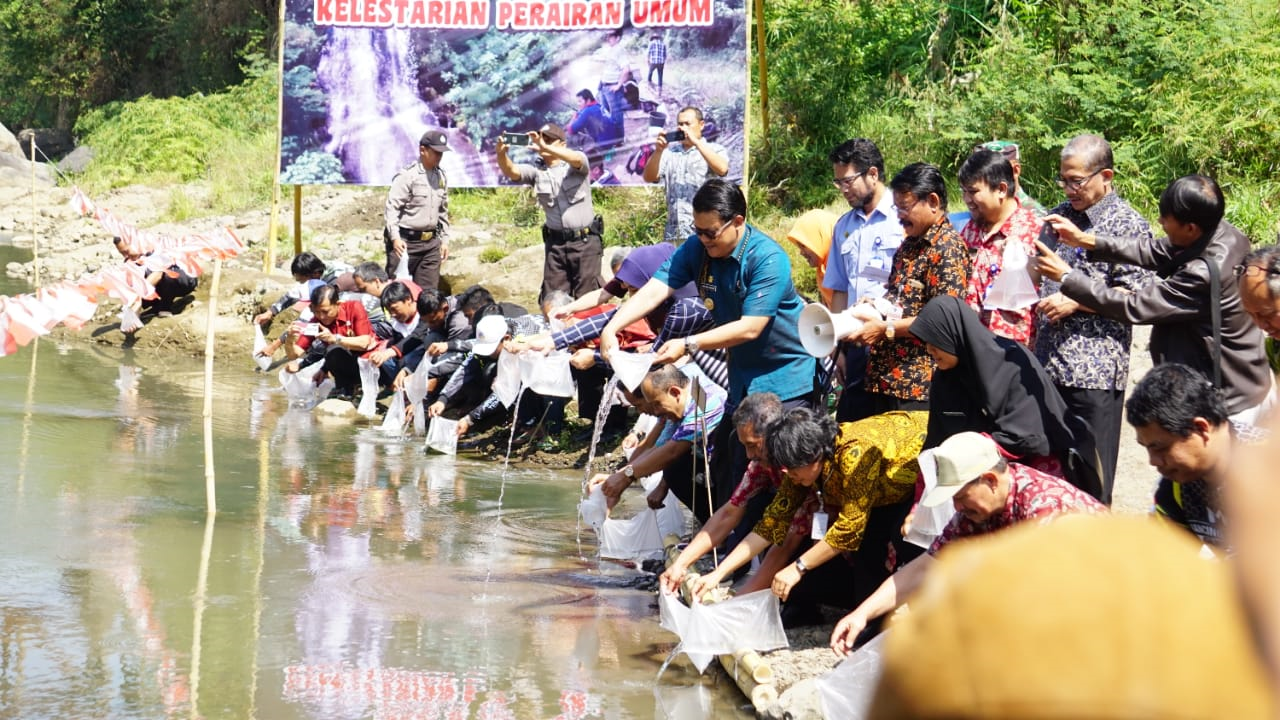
(682, 171)
(936, 263)
(874, 465)
(986, 262)
(866, 245)
(1086, 350)
(418, 200)
(563, 192)
(753, 281)
(1033, 495)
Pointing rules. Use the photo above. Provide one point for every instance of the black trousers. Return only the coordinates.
(572, 266)
(846, 580)
(855, 403)
(424, 260)
(1097, 425)
(171, 288)
(680, 477)
(343, 366)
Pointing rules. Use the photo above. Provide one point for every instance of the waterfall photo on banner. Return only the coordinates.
(364, 78)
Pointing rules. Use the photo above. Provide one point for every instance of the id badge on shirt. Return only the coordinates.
(819, 528)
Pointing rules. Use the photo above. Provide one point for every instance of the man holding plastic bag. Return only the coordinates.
(1001, 237)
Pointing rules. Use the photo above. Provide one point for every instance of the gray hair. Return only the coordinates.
(1267, 258)
(759, 410)
(665, 377)
(1094, 150)
(616, 258)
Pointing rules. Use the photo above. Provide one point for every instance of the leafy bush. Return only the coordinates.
(492, 255)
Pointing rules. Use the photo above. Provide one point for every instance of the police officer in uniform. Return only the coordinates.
(572, 236)
(417, 214)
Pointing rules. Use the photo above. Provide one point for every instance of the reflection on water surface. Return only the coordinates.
(344, 576)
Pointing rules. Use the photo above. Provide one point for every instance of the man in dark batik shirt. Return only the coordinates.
(1085, 354)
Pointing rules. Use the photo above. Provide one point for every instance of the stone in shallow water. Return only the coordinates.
(335, 408)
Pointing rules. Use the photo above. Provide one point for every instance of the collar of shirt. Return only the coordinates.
(1099, 211)
(885, 208)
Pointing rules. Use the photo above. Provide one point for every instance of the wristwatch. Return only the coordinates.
(628, 472)
(690, 346)
(801, 567)
(888, 329)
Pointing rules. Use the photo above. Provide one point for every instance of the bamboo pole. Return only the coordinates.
(264, 484)
(197, 623)
(297, 219)
(211, 500)
(26, 417)
(35, 242)
(273, 228)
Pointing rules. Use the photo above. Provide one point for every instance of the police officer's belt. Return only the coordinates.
(417, 235)
(553, 235)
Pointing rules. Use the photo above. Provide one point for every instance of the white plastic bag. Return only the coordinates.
(442, 435)
(594, 510)
(129, 320)
(1012, 288)
(393, 423)
(547, 375)
(846, 692)
(368, 388)
(415, 390)
(671, 520)
(402, 268)
(745, 622)
(637, 538)
(301, 387)
(631, 367)
(506, 384)
(259, 347)
(928, 523)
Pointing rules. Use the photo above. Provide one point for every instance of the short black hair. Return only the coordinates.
(1172, 396)
(860, 153)
(327, 293)
(307, 265)
(395, 292)
(720, 197)
(992, 168)
(697, 111)
(475, 299)
(430, 300)
(1267, 258)
(800, 437)
(1194, 199)
(920, 179)
(586, 94)
(370, 271)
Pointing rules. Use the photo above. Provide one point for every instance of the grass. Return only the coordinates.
(492, 255)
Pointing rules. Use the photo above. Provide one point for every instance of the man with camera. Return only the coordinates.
(417, 214)
(572, 234)
(683, 161)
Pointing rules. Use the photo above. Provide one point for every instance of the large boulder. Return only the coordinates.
(16, 171)
(51, 143)
(8, 143)
(77, 161)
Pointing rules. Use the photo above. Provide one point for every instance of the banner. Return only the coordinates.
(363, 79)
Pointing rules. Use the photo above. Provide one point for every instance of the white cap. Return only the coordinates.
(960, 458)
(490, 332)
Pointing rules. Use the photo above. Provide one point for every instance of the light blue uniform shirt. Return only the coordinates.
(866, 246)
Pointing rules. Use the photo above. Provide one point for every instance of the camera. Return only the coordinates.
(675, 136)
(515, 138)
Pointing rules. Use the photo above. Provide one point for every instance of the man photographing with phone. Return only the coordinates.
(572, 234)
(683, 168)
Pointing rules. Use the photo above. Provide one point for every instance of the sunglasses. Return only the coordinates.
(711, 234)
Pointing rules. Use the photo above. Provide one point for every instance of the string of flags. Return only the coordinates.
(72, 303)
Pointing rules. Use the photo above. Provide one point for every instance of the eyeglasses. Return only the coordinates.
(1076, 183)
(844, 182)
(1253, 271)
(906, 209)
(711, 234)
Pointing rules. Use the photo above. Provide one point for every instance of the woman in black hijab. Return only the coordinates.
(994, 385)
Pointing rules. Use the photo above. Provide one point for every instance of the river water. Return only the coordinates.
(344, 576)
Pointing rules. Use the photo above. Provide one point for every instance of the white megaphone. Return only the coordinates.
(821, 329)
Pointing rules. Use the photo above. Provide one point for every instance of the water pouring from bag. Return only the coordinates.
(821, 329)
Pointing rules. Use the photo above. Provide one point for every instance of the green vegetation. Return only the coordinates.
(492, 254)
(226, 139)
(1177, 86)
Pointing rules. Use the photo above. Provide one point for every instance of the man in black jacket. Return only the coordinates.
(1194, 265)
